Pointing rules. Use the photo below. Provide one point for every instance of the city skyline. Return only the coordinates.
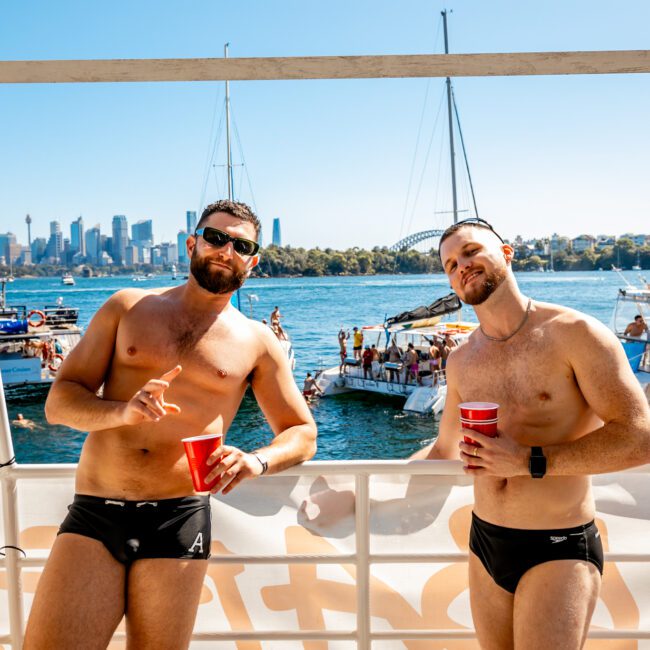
(91, 246)
(343, 162)
(274, 231)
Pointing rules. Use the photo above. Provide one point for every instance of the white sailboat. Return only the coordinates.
(425, 393)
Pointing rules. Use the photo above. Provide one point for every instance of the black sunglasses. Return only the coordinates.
(220, 238)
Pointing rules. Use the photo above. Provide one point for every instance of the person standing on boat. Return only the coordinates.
(137, 538)
(376, 365)
(395, 359)
(367, 362)
(275, 324)
(343, 337)
(536, 556)
(434, 360)
(357, 343)
(411, 364)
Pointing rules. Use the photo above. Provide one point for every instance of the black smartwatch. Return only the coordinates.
(537, 462)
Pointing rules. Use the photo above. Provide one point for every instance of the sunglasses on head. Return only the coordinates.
(470, 221)
(219, 238)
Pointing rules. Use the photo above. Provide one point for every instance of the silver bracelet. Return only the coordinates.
(263, 462)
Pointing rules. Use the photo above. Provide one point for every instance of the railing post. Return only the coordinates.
(11, 527)
(362, 517)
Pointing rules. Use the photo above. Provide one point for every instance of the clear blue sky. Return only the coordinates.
(332, 159)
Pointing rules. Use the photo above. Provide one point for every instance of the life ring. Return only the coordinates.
(41, 318)
(55, 362)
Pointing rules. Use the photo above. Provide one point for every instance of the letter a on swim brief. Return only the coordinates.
(197, 542)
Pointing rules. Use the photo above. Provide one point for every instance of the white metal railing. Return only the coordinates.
(362, 558)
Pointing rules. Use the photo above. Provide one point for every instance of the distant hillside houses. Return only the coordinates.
(577, 245)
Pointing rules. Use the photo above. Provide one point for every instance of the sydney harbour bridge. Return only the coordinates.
(416, 238)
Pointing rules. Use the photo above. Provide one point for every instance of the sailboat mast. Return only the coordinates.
(452, 154)
(228, 147)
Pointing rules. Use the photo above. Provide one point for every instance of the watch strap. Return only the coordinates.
(537, 462)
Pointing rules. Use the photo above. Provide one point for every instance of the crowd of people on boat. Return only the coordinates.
(396, 364)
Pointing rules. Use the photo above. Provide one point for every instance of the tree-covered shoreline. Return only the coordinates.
(315, 262)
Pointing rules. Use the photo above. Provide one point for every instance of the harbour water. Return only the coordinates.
(313, 309)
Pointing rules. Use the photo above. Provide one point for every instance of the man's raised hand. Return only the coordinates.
(149, 402)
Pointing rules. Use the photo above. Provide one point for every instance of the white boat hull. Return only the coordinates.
(418, 399)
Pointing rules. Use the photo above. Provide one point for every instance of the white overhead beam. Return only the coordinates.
(326, 67)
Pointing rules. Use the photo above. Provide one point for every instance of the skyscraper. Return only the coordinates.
(142, 233)
(277, 235)
(55, 243)
(181, 238)
(120, 238)
(6, 241)
(93, 244)
(38, 249)
(191, 222)
(77, 241)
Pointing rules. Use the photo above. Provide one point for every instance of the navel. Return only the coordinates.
(131, 350)
(144, 451)
(544, 396)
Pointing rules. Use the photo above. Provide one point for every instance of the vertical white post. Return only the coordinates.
(11, 528)
(362, 516)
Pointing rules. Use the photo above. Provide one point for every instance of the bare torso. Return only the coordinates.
(540, 404)
(217, 353)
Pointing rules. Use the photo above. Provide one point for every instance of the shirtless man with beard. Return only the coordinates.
(536, 556)
(173, 363)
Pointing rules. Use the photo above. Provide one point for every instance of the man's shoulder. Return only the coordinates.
(570, 326)
(252, 328)
(125, 299)
(563, 317)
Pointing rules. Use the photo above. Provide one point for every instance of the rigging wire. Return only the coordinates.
(462, 141)
(426, 161)
(441, 176)
(243, 160)
(212, 144)
(417, 140)
(415, 155)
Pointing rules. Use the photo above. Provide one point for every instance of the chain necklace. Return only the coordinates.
(501, 339)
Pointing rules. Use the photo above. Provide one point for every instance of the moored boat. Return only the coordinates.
(423, 389)
(34, 342)
(632, 302)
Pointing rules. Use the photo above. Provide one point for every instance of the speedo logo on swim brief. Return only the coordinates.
(555, 539)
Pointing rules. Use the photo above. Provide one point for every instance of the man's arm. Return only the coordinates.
(608, 385)
(287, 413)
(445, 446)
(73, 399)
(284, 408)
(610, 388)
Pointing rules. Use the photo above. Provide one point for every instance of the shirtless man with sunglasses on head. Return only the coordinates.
(569, 406)
(173, 363)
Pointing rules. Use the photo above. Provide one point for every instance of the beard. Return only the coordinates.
(213, 279)
(490, 284)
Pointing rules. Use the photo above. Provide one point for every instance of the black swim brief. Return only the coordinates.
(134, 530)
(507, 553)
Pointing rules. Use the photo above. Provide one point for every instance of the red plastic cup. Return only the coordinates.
(478, 410)
(481, 417)
(197, 450)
